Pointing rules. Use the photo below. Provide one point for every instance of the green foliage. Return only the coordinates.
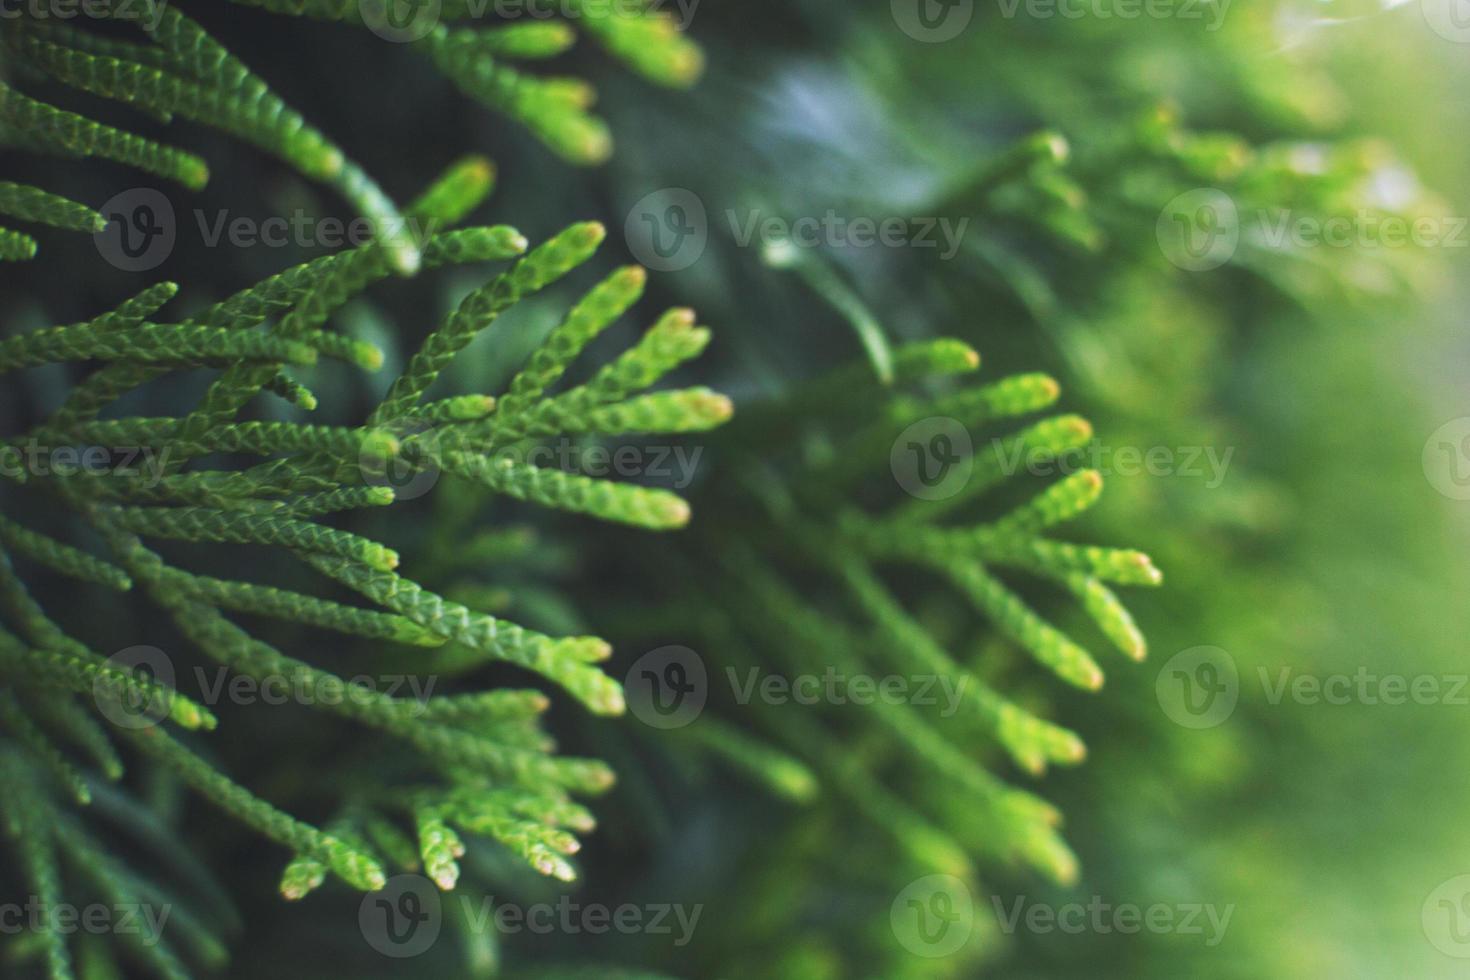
(810, 592)
(810, 557)
(482, 764)
(495, 779)
(179, 70)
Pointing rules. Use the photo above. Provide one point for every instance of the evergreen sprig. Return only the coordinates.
(176, 68)
(808, 592)
(483, 765)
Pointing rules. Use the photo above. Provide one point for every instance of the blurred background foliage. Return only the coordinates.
(1325, 549)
